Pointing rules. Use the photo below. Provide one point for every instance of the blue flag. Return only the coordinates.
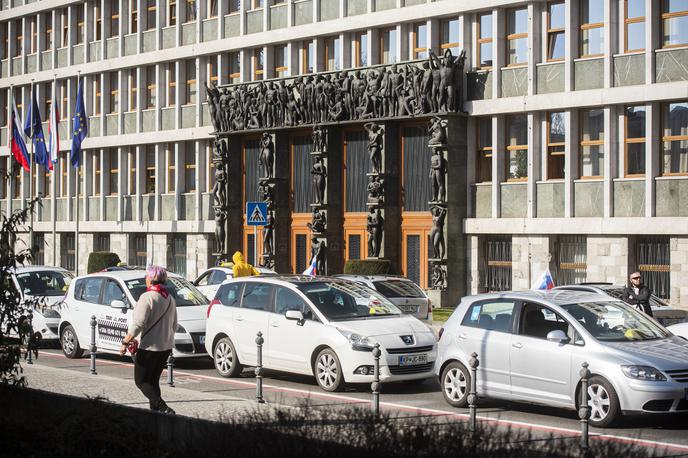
(79, 127)
(34, 126)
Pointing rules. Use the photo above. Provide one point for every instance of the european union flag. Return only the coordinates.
(79, 126)
(34, 126)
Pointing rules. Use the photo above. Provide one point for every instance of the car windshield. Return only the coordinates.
(618, 294)
(398, 288)
(44, 282)
(615, 322)
(341, 301)
(184, 293)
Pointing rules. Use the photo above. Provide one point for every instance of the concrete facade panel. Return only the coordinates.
(479, 85)
(514, 82)
(254, 21)
(381, 5)
(128, 208)
(232, 27)
(168, 37)
(130, 44)
(129, 123)
(514, 200)
(672, 65)
(188, 116)
(550, 78)
(210, 30)
(111, 212)
(31, 63)
(354, 7)
(189, 33)
(167, 206)
(550, 200)
(47, 60)
(589, 74)
(93, 209)
(62, 57)
(148, 120)
(629, 70)
(629, 198)
(149, 40)
(111, 49)
(147, 208)
(588, 199)
(111, 124)
(482, 201)
(188, 207)
(607, 259)
(78, 54)
(303, 12)
(672, 197)
(278, 17)
(167, 115)
(94, 126)
(61, 209)
(94, 51)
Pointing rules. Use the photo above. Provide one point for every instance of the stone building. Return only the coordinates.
(572, 154)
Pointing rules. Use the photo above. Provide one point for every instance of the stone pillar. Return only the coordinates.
(679, 271)
(391, 242)
(119, 245)
(607, 259)
(281, 203)
(85, 247)
(334, 199)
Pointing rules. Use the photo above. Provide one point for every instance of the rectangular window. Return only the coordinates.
(258, 62)
(171, 168)
(96, 173)
(113, 176)
(114, 92)
(361, 49)
(256, 4)
(151, 87)
(67, 251)
(65, 168)
(19, 38)
(484, 40)
(674, 23)
(96, 96)
(210, 181)
(98, 21)
(234, 67)
(211, 70)
(571, 260)
(79, 13)
(517, 37)
(592, 28)
(484, 162)
(101, 242)
(48, 32)
(516, 148)
(48, 99)
(211, 8)
(498, 260)
(132, 171)
(190, 87)
(133, 16)
(449, 38)
(388, 46)
(190, 10)
(39, 243)
(18, 177)
(171, 84)
(190, 167)
(138, 248)
(635, 141)
(307, 57)
(332, 54)
(150, 170)
(556, 31)
(675, 138)
(281, 59)
(114, 19)
(177, 256)
(420, 40)
(653, 262)
(133, 89)
(592, 143)
(45, 181)
(65, 27)
(4, 177)
(151, 13)
(34, 33)
(634, 25)
(234, 6)
(171, 12)
(556, 146)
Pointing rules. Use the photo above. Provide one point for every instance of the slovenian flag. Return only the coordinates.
(16, 142)
(544, 281)
(312, 271)
(53, 133)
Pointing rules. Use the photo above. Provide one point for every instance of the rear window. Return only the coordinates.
(184, 293)
(491, 316)
(398, 288)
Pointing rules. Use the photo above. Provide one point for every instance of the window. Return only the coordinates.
(675, 138)
(39, 244)
(517, 37)
(47, 32)
(653, 262)
(98, 21)
(257, 296)
(498, 260)
(256, 4)
(79, 13)
(571, 260)
(48, 99)
(65, 167)
(332, 53)
(388, 47)
(592, 28)
(211, 8)
(556, 146)
(133, 16)
(484, 162)
(592, 143)
(537, 321)
(210, 181)
(635, 141)
(230, 294)
(288, 300)
(420, 40)
(177, 256)
(556, 31)
(308, 57)
(96, 95)
(171, 12)
(674, 23)
(190, 10)
(113, 292)
(360, 49)
(65, 27)
(114, 19)
(19, 38)
(96, 173)
(67, 243)
(150, 170)
(171, 76)
(190, 87)
(234, 6)
(113, 176)
(18, 177)
(634, 25)
(132, 171)
(138, 248)
(516, 148)
(234, 67)
(190, 167)
(449, 38)
(491, 316)
(151, 87)
(34, 33)
(133, 89)
(484, 40)
(281, 60)
(114, 92)
(4, 177)
(258, 62)
(88, 289)
(171, 168)
(211, 70)
(101, 242)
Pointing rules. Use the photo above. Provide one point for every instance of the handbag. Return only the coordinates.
(133, 346)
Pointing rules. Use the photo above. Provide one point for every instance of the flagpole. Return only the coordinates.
(31, 165)
(9, 144)
(78, 179)
(54, 183)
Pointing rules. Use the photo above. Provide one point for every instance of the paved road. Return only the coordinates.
(665, 432)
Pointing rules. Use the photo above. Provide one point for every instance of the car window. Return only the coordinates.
(398, 288)
(492, 316)
(257, 296)
(615, 321)
(204, 279)
(217, 277)
(538, 321)
(230, 294)
(88, 289)
(183, 292)
(286, 299)
(44, 282)
(113, 292)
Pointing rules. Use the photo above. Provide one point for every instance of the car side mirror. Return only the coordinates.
(295, 315)
(119, 305)
(558, 336)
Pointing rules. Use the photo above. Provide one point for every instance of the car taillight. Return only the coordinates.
(440, 334)
(210, 306)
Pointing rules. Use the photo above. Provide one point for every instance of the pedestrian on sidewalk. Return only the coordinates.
(637, 294)
(242, 268)
(155, 318)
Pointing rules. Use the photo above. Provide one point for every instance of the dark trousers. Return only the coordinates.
(148, 367)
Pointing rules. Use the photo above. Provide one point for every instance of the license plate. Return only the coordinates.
(413, 360)
(201, 340)
(408, 308)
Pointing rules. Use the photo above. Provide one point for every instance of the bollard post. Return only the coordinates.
(28, 342)
(375, 386)
(170, 369)
(584, 407)
(473, 393)
(93, 345)
(259, 368)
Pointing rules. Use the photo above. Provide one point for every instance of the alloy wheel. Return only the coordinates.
(327, 370)
(224, 357)
(68, 341)
(455, 384)
(599, 402)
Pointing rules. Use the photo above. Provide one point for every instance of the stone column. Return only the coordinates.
(607, 259)
(679, 271)
(334, 199)
(391, 244)
(280, 207)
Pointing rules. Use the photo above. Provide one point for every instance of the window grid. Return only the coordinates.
(281, 59)
(133, 16)
(555, 33)
(360, 49)
(114, 19)
(673, 21)
(114, 92)
(675, 139)
(113, 187)
(258, 63)
(591, 32)
(484, 141)
(515, 35)
(190, 96)
(634, 145)
(171, 168)
(150, 170)
(133, 89)
(420, 40)
(629, 22)
(516, 151)
(96, 173)
(171, 84)
(556, 146)
(190, 168)
(388, 48)
(449, 37)
(591, 140)
(234, 67)
(171, 12)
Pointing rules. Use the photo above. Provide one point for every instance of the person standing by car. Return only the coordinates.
(637, 294)
(155, 318)
(242, 268)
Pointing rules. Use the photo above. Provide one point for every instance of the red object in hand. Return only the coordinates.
(133, 347)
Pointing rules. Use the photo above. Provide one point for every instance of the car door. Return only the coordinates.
(220, 319)
(113, 323)
(87, 292)
(250, 318)
(486, 330)
(290, 343)
(540, 369)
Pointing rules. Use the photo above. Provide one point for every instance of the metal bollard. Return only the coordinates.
(259, 368)
(375, 386)
(584, 407)
(473, 393)
(30, 341)
(93, 345)
(170, 370)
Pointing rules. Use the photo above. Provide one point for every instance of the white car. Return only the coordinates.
(210, 280)
(681, 330)
(47, 286)
(402, 292)
(320, 326)
(110, 296)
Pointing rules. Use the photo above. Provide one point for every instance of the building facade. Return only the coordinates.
(576, 138)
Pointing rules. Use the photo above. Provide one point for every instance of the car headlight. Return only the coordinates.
(643, 373)
(357, 341)
(51, 313)
(180, 329)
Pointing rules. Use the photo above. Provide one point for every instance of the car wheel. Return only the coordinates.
(225, 358)
(603, 402)
(456, 382)
(70, 343)
(328, 371)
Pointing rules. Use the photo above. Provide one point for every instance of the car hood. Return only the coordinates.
(664, 354)
(192, 317)
(378, 327)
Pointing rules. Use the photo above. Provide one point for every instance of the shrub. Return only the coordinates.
(368, 267)
(99, 260)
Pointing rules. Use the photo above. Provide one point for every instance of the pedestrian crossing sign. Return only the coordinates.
(256, 213)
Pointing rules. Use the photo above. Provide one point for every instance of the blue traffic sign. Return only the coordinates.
(256, 213)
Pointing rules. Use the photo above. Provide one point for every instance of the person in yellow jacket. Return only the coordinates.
(242, 268)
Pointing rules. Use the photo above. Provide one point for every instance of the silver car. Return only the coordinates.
(531, 346)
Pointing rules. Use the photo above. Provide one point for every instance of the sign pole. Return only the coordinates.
(255, 245)
(31, 168)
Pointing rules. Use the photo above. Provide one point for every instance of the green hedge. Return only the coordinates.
(99, 260)
(368, 267)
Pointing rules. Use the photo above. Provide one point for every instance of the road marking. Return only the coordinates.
(420, 410)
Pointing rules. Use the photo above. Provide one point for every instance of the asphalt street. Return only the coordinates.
(666, 433)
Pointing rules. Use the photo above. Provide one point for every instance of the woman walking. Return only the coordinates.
(155, 318)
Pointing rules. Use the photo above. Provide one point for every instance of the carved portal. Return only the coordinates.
(318, 224)
(220, 160)
(437, 130)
